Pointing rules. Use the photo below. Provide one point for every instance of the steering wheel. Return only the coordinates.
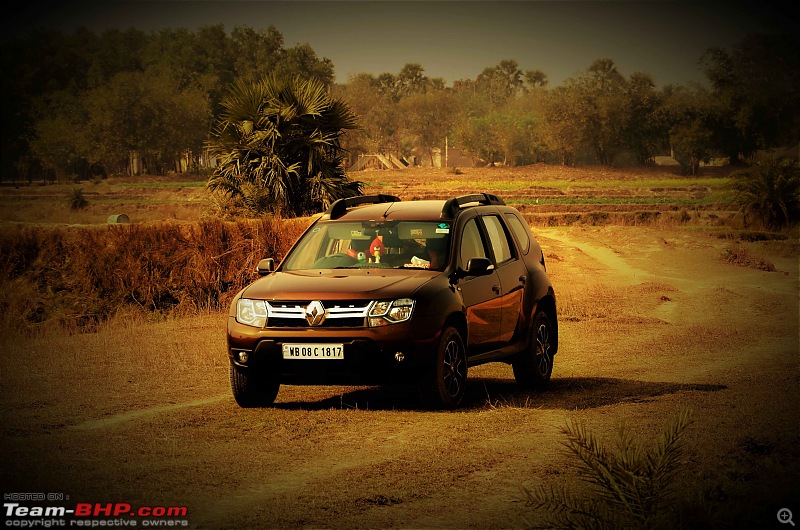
(333, 261)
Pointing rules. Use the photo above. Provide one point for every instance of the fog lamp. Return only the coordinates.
(243, 356)
(399, 357)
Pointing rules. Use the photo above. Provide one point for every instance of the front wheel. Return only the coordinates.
(446, 381)
(251, 391)
(534, 366)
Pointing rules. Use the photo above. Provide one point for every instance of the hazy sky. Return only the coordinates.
(455, 39)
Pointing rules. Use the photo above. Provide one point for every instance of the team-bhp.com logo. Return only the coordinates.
(94, 514)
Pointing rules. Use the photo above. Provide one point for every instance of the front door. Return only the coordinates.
(480, 294)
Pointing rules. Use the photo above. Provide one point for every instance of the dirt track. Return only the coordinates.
(652, 322)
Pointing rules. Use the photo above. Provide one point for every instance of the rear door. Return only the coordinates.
(512, 274)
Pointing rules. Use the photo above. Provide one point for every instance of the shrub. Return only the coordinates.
(76, 200)
(736, 254)
(86, 275)
(769, 189)
(629, 487)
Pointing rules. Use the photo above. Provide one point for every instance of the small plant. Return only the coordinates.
(628, 487)
(76, 200)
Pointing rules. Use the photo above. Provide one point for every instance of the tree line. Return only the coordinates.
(82, 104)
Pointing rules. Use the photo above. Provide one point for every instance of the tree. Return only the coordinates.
(690, 113)
(147, 113)
(563, 119)
(645, 132)
(58, 141)
(255, 52)
(302, 60)
(758, 83)
(278, 146)
(428, 116)
(535, 79)
(603, 100)
(377, 113)
(411, 80)
(501, 81)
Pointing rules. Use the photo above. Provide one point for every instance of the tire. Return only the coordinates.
(446, 381)
(250, 391)
(534, 367)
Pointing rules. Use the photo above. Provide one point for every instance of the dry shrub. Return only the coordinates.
(82, 276)
(737, 254)
(629, 486)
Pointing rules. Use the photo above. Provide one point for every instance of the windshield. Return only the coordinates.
(372, 244)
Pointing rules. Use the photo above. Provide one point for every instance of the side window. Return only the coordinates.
(471, 244)
(498, 238)
(521, 231)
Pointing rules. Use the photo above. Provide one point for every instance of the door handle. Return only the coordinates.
(496, 289)
(522, 279)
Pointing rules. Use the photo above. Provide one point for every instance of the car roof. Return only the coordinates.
(428, 210)
(389, 207)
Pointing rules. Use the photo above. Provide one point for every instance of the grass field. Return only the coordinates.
(659, 313)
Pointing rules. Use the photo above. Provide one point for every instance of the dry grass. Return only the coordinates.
(737, 254)
(147, 402)
(81, 276)
(652, 322)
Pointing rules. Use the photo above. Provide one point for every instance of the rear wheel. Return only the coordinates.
(251, 391)
(446, 381)
(534, 366)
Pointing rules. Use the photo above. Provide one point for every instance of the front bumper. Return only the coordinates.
(370, 354)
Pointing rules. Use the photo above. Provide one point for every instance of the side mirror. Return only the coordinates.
(265, 266)
(479, 267)
(476, 267)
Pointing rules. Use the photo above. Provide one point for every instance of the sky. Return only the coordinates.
(454, 39)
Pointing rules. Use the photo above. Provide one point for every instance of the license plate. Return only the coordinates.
(313, 351)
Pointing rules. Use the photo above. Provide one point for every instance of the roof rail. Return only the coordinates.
(452, 206)
(339, 208)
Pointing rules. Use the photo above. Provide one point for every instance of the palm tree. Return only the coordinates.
(770, 190)
(277, 143)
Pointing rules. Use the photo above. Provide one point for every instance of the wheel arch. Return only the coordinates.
(458, 320)
(548, 304)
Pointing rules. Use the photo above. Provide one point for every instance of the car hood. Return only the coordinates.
(332, 284)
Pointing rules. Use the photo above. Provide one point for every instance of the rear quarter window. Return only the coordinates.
(520, 230)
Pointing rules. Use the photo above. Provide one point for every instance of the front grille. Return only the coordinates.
(338, 314)
(329, 323)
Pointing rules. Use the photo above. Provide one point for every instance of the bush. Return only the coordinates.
(629, 487)
(769, 190)
(76, 200)
(737, 254)
(83, 276)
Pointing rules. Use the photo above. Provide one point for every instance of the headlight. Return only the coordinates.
(383, 313)
(251, 312)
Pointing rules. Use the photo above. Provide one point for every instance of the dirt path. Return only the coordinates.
(652, 322)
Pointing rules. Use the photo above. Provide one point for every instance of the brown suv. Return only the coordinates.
(379, 291)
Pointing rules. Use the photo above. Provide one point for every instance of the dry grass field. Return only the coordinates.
(659, 313)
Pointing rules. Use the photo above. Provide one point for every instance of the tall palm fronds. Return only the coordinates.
(770, 190)
(278, 146)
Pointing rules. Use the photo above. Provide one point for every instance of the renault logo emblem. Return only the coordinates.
(315, 313)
